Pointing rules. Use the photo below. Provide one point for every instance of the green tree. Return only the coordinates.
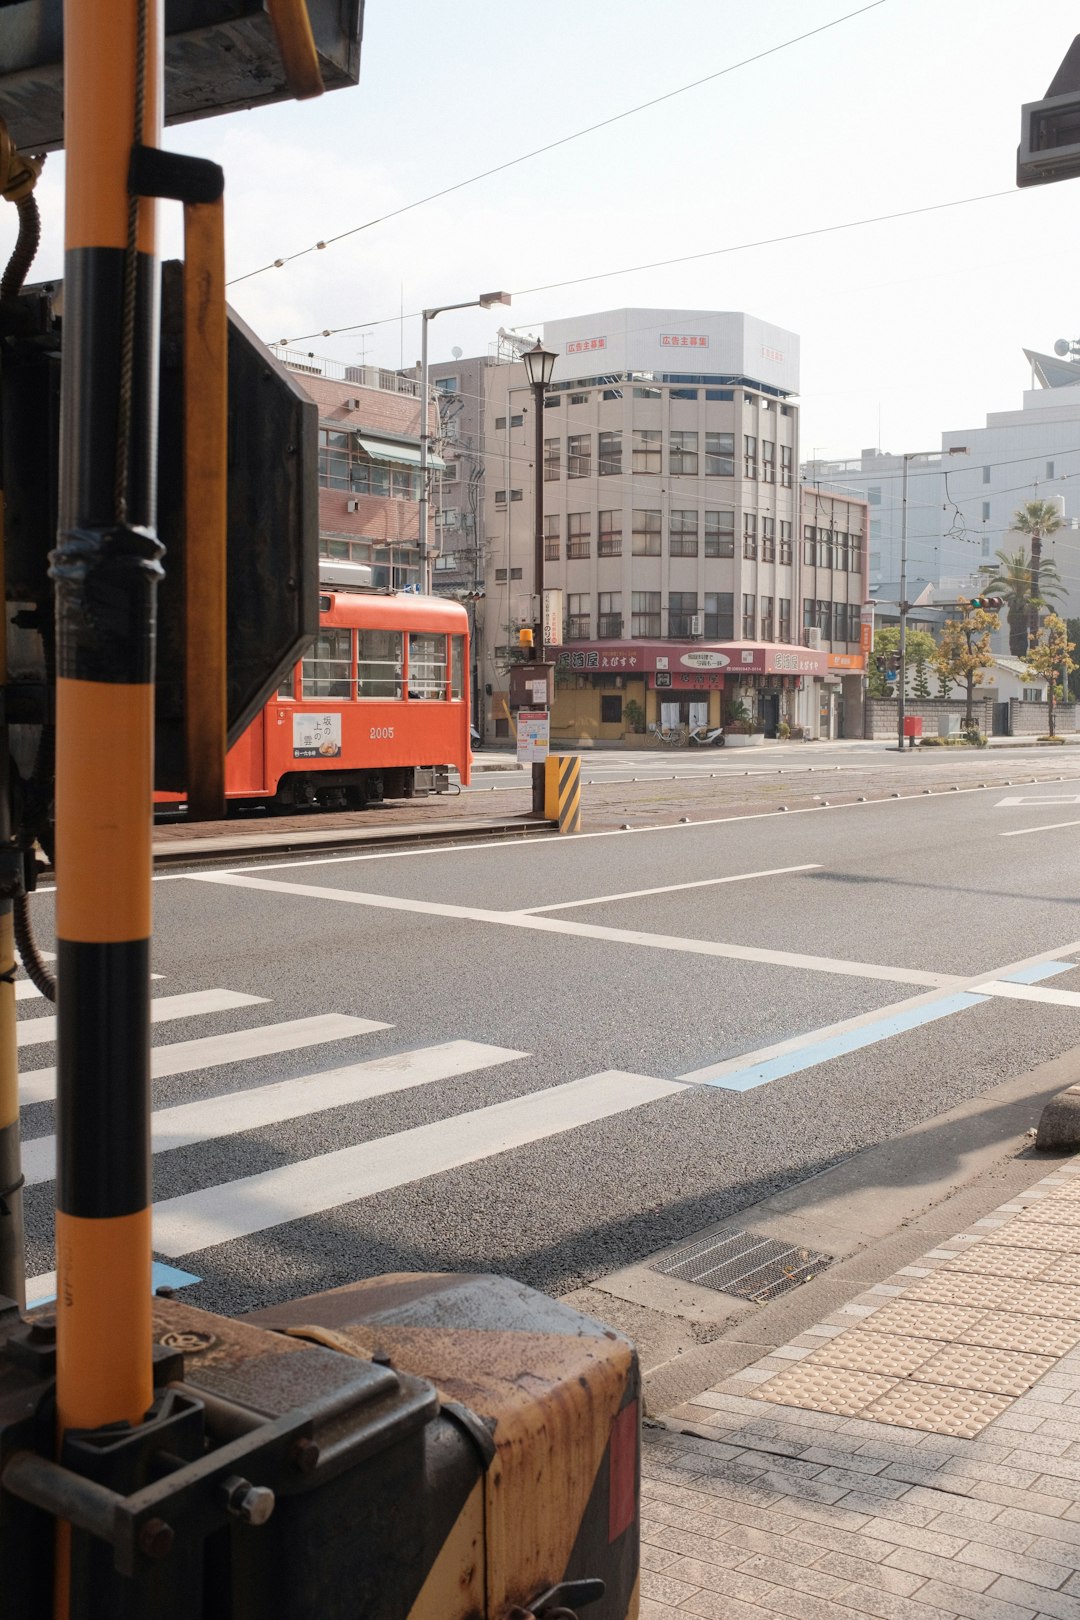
(1010, 577)
(921, 688)
(1050, 657)
(963, 652)
(920, 650)
(1036, 519)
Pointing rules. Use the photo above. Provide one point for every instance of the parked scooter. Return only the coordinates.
(707, 737)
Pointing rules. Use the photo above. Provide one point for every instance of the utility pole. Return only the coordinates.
(539, 365)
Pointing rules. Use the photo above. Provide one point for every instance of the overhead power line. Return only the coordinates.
(551, 146)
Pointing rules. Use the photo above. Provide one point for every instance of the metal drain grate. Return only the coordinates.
(744, 1264)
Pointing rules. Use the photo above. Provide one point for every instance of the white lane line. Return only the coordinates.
(240, 1111)
(669, 888)
(1029, 992)
(563, 925)
(292, 1191)
(212, 1051)
(1034, 800)
(715, 1071)
(1018, 832)
(163, 1009)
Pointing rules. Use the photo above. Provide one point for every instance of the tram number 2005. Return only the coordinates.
(381, 731)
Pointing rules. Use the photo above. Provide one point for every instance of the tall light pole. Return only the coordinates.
(901, 696)
(485, 301)
(539, 365)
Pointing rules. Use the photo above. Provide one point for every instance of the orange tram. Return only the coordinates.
(377, 709)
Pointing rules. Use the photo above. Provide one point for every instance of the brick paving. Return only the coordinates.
(933, 1478)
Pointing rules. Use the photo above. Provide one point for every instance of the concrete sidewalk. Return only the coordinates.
(914, 1456)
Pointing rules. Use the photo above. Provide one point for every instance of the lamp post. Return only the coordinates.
(539, 365)
(901, 696)
(485, 301)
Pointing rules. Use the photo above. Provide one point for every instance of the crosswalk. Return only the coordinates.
(311, 1182)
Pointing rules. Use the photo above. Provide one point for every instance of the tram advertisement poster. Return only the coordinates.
(532, 735)
(316, 736)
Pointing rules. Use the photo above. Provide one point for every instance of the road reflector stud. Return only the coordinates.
(562, 791)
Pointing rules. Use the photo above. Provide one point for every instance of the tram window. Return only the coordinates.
(427, 666)
(327, 669)
(378, 668)
(457, 666)
(287, 688)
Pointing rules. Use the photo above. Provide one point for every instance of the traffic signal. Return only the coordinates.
(881, 663)
(894, 663)
(989, 604)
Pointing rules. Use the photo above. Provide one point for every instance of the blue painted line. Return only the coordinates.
(161, 1276)
(815, 1052)
(1036, 971)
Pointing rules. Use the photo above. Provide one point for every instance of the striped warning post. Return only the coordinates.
(562, 791)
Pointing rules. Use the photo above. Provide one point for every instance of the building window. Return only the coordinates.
(552, 455)
(785, 619)
(326, 670)
(719, 534)
(515, 495)
(785, 541)
(684, 393)
(808, 613)
(578, 534)
(645, 613)
(1049, 469)
(577, 620)
(647, 448)
(683, 534)
(609, 534)
(749, 456)
(768, 461)
(719, 455)
(427, 666)
(768, 540)
(766, 618)
(873, 494)
(515, 573)
(517, 421)
(579, 399)
(500, 576)
(986, 511)
(646, 536)
(551, 537)
(579, 455)
(720, 615)
(647, 393)
(786, 463)
(842, 552)
(985, 548)
(500, 497)
(609, 454)
(749, 534)
(720, 393)
(749, 618)
(824, 548)
(682, 610)
(683, 454)
(611, 709)
(500, 423)
(446, 385)
(609, 626)
(809, 535)
(986, 475)
(552, 401)
(823, 617)
(855, 554)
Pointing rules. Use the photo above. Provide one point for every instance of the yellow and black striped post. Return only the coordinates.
(562, 791)
(106, 569)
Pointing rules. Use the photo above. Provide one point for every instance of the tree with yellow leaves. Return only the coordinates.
(963, 652)
(1050, 657)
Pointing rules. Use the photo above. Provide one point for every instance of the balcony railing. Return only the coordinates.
(609, 626)
(579, 548)
(551, 551)
(577, 629)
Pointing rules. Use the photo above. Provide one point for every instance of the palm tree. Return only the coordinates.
(1036, 518)
(1010, 577)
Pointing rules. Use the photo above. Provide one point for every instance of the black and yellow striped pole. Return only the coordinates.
(106, 568)
(562, 791)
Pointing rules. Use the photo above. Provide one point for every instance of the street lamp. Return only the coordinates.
(901, 696)
(539, 365)
(485, 301)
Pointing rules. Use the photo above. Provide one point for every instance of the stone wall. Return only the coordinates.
(881, 714)
(1033, 719)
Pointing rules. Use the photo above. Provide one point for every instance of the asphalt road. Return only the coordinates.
(553, 1058)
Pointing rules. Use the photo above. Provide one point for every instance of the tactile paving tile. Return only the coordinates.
(960, 1412)
(1005, 1262)
(839, 1390)
(918, 1319)
(974, 1367)
(882, 1353)
(1065, 1270)
(946, 1287)
(1047, 1232)
(1040, 1335)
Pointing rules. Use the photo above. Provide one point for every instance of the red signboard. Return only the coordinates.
(683, 340)
(582, 345)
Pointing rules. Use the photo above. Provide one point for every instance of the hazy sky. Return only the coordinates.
(916, 323)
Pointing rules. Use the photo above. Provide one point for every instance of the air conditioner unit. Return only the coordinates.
(813, 639)
(352, 506)
(697, 624)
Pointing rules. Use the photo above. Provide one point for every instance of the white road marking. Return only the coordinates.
(26, 990)
(1053, 826)
(238, 1208)
(668, 888)
(211, 1051)
(251, 1110)
(1036, 800)
(563, 925)
(1029, 992)
(163, 1009)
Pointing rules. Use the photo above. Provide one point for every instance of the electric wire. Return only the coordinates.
(551, 146)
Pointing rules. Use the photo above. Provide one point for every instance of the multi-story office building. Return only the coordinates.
(673, 529)
(460, 541)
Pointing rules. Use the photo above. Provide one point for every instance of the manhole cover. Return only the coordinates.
(744, 1264)
(190, 1342)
